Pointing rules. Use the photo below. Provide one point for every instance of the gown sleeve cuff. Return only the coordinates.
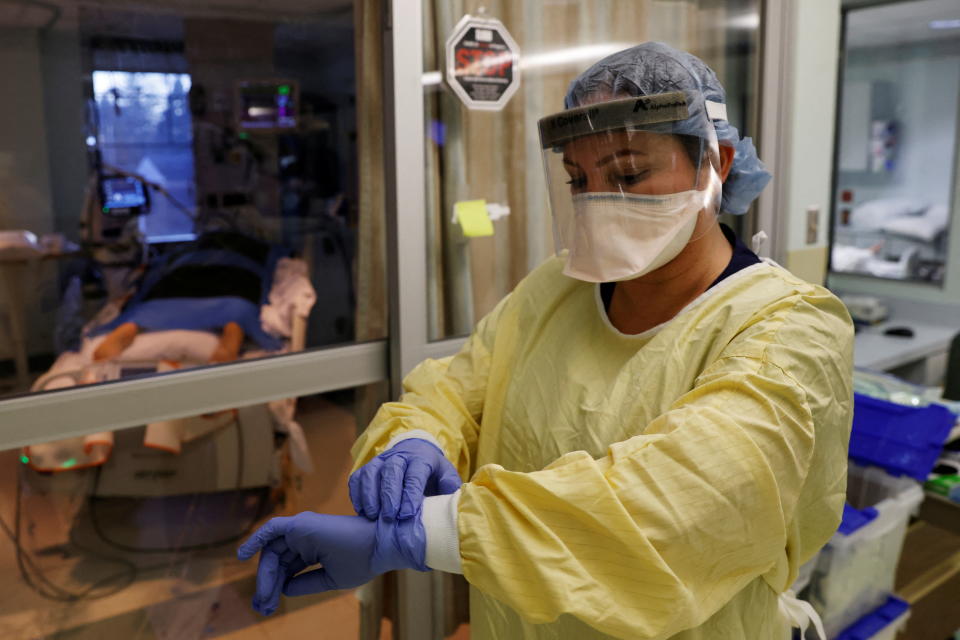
(414, 433)
(443, 538)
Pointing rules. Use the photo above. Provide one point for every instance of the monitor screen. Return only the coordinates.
(123, 196)
(270, 104)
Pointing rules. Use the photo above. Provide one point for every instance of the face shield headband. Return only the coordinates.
(642, 112)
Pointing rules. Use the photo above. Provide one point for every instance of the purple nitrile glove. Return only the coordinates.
(352, 550)
(393, 484)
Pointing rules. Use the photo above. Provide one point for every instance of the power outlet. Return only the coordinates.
(813, 223)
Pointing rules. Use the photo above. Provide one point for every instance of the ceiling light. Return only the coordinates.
(745, 21)
(945, 24)
(571, 55)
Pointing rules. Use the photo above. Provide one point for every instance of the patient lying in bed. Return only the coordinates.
(220, 299)
(118, 340)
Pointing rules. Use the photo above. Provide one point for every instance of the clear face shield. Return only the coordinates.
(627, 185)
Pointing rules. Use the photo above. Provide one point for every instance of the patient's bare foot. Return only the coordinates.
(228, 349)
(116, 342)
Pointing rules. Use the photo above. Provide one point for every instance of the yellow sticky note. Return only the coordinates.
(473, 218)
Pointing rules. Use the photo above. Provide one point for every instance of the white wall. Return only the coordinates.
(813, 93)
(799, 71)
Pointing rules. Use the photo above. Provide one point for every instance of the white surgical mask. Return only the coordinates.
(621, 236)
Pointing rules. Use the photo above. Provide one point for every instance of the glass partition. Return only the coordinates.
(180, 186)
(139, 540)
(897, 141)
(495, 156)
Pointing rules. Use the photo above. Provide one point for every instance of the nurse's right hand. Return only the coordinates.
(394, 484)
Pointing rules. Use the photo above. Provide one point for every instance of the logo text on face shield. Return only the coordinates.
(567, 121)
(652, 104)
(615, 114)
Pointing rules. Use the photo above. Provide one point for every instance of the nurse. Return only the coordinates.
(651, 429)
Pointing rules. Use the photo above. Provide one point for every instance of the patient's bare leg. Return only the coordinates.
(228, 349)
(116, 342)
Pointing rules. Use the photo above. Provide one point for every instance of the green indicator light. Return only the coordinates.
(69, 463)
(106, 209)
(283, 89)
(243, 135)
(24, 459)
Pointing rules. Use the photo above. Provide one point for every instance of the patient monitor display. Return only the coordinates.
(268, 105)
(123, 196)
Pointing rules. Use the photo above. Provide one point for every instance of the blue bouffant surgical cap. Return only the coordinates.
(652, 68)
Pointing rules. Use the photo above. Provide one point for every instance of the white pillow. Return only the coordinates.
(873, 213)
(925, 227)
(938, 212)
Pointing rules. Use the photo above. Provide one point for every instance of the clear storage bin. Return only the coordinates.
(855, 571)
(805, 573)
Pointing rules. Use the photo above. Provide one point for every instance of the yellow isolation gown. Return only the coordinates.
(661, 485)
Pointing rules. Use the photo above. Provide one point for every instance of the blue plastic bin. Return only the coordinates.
(903, 440)
(882, 624)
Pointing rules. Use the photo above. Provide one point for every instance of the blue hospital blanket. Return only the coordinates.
(170, 297)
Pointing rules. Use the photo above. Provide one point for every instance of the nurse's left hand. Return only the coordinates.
(351, 549)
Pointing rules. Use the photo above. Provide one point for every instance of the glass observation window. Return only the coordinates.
(897, 141)
(180, 186)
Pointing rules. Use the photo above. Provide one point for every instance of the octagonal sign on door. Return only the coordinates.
(483, 63)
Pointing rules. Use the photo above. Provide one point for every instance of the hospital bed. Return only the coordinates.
(178, 307)
(901, 238)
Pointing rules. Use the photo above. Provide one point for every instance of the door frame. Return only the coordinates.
(420, 595)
